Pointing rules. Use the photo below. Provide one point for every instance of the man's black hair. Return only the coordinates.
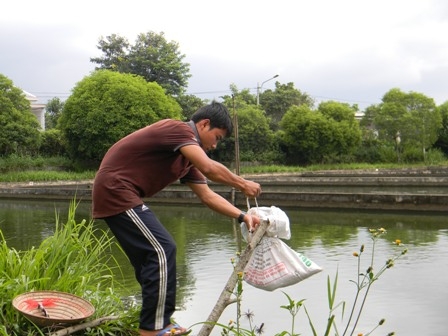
(218, 115)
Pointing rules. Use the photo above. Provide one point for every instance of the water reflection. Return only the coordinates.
(411, 296)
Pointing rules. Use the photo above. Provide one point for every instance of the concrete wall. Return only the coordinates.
(396, 190)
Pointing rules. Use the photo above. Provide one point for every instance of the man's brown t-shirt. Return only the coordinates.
(143, 163)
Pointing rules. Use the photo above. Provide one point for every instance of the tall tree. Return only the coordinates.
(277, 102)
(53, 110)
(115, 49)
(152, 57)
(189, 104)
(408, 119)
(251, 125)
(442, 141)
(19, 128)
(315, 136)
(347, 133)
(255, 136)
(338, 111)
(305, 135)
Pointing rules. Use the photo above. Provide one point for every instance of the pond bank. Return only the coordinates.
(412, 189)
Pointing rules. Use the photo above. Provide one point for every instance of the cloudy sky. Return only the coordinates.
(348, 50)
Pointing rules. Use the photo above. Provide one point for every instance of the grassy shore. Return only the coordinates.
(45, 174)
(17, 168)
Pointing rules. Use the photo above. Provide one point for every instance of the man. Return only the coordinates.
(140, 165)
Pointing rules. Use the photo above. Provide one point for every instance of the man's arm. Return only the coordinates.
(219, 173)
(219, 204)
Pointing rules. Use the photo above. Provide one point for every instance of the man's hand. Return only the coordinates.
(251, 189)
(252, 222)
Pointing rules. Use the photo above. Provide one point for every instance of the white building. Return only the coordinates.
(359, 115)
(37, 109)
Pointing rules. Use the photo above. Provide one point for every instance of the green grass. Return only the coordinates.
(77, 259)
(271, 169)
(17, 168)
(26, 170)
(45, 176)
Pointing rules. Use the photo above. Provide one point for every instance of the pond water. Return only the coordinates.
(412, 296)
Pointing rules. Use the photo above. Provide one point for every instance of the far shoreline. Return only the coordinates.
(407, 189)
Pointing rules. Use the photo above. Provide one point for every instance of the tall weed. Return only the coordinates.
(77, 259)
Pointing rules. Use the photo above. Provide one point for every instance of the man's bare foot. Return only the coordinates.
(147, 332)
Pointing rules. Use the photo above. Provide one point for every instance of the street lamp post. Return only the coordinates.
(259, 87)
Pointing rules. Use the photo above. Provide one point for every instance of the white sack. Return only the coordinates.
(274, 264)
(278, 221)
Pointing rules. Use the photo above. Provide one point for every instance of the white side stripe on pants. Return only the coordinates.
(163, 267)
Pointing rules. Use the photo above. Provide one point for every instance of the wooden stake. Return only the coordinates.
(224, 298)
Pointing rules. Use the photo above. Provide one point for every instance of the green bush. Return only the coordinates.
(19, 128)
(15, 162)
(368, 151)
(435, 156)
(52, 143)
(387, 154)
(106, 106)
(412, 155)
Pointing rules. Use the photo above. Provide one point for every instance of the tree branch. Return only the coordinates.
(224, 298)
(72, 329)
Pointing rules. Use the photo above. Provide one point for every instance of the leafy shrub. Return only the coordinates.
(435, 156)
(52, 143)
(106, 106)
(15, 162)
(412, 154)
(387, 154)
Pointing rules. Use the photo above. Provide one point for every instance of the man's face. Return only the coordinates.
(210, 137)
